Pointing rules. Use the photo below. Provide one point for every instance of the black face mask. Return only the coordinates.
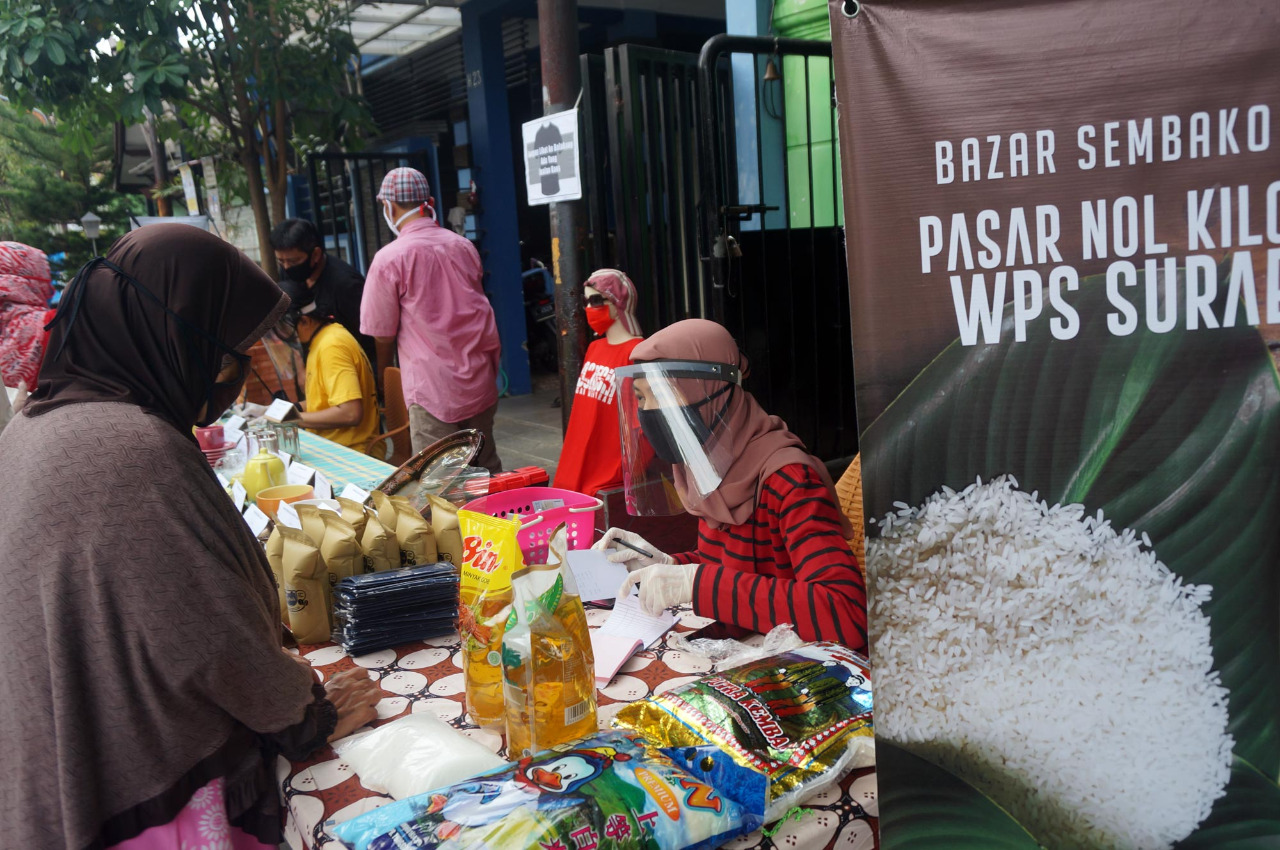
(300, 272)
(218, 398)
(657, 429)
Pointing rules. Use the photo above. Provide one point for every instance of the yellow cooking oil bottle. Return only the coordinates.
(490, 555)
(548, 666)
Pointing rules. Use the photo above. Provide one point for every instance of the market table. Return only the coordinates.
(339, 464)
(427, 677)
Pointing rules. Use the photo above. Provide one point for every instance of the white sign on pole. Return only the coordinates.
(551, 158)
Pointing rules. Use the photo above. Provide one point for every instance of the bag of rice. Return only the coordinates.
(609, 790)
(340, 549)
(306, 586)
(414, 536)
(444, 521)
(354, 513)
(381, 552)
(275, 557)
(801, 717)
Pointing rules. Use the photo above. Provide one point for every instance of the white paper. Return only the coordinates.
(597, 577)
(287, 516)
(235, 422)
(324, 490)
(300, 473)
(222, 479)
(238, 495)
(279, 410)
(257, 520)
(355, 494)
(629, 621)
(286, 457)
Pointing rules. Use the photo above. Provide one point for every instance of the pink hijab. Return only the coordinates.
(621, 292)
(25, 290)
(759, 443)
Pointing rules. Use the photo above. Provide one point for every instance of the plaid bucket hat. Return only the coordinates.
(405, 186)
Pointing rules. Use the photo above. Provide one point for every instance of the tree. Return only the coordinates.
(45, 185)
(245, 76)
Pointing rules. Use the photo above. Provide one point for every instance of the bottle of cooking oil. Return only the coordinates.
(548, 667)
(482, 656)
(491, 553)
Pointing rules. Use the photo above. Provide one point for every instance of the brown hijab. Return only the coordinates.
(156, 341)
(759, 444)
(139, 622)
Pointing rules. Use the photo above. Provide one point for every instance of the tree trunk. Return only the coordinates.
(258, 203)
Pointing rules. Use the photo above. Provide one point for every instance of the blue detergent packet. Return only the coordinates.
(611, 790)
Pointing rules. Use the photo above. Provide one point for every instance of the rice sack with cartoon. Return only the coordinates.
(802, 718)
(609, 791)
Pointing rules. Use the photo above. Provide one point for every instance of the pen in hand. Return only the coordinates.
(620, 542)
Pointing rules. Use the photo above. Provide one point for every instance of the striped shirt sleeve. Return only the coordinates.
(823, 595)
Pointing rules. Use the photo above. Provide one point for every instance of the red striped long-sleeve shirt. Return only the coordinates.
(789, 563)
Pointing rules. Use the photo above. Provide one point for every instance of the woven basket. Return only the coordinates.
(849, 492)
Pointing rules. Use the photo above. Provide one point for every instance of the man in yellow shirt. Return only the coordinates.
(342, 402)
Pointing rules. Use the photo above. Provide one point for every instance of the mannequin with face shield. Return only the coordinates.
(771, 539)
(591, 459)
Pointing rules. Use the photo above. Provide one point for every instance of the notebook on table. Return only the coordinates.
(627, 631)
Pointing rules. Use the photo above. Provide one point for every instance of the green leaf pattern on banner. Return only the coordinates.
(1176, 435)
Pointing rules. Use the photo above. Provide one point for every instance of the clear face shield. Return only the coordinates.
(676, 441)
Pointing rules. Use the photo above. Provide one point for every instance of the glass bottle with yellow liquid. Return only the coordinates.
(548, 667)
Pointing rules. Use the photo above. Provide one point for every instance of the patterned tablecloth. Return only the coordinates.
(341, 465)
(428, 677)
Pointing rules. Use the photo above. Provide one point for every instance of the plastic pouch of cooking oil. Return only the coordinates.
(547, 665)
(490, 554)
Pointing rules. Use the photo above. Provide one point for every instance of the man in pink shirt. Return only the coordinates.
(423, 298)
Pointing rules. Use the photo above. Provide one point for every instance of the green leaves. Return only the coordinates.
(1248, 818)
(924, 807)
(1176, 435)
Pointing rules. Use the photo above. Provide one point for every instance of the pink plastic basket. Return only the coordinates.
(541, 510)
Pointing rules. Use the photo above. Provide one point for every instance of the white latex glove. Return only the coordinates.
(661, 586)
(622, 555)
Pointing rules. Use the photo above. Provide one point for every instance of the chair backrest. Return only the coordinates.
(849, 492)
(397, 414)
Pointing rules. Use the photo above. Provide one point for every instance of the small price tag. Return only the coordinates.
(300, 473)
(279, 410)
(257, 520)
(355, 494)
(288, 517)
(238, 495)
(222, 479)
(324, 490)
(235, 422)
(286, 457)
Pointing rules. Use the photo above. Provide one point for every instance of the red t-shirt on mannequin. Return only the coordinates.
(592, 456)
(591, 459)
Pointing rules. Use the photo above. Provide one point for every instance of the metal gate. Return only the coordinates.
(713, 181)
(641, 167)
(343, 194)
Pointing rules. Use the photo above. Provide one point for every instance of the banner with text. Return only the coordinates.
(1064, 269)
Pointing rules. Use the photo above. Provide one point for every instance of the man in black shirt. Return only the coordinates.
(337, 286)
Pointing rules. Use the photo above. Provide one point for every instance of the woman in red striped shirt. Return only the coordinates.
(771, 540)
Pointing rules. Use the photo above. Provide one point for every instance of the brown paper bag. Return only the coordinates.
(414, 536)
(386, 510)
(381, 551)
(306, 583)
(444, 522)
(354, 513)
(340, 550)
(275, 557)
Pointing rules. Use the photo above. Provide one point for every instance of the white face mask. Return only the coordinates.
(394, 225)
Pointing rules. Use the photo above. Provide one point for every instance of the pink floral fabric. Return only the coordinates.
(201, 825)
(25, 290)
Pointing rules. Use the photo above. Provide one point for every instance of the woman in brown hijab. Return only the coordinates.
(771, 540)
(144, 693)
